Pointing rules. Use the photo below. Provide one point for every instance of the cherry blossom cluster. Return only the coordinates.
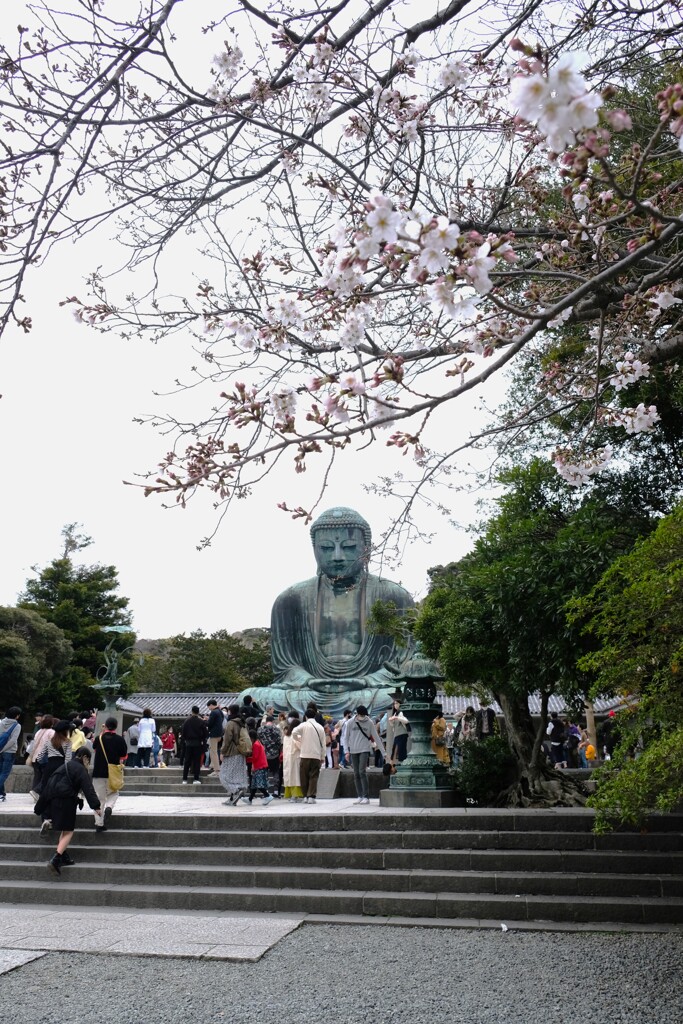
(451, 267)
(578, 473)
(670, 102)
(634, 421)
(559, 102)
(627, 371)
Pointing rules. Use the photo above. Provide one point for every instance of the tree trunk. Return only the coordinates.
(537, 785)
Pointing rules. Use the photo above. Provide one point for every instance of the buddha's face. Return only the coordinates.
(340, 552)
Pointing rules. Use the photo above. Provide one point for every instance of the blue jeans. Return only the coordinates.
(6, 766)
(360, 774)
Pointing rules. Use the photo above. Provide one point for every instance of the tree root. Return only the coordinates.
(544, 789)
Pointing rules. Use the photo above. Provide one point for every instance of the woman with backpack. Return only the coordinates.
(236, 745)
(60, 801)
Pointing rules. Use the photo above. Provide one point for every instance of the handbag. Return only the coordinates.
(115, 779)
(244, 744)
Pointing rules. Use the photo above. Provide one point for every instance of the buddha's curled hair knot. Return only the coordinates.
(342, 516)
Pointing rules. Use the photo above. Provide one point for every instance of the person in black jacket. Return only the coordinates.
(109, 748)
(60, 799)
(215, 725)
(194, 734)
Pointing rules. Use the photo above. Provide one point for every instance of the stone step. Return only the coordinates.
(247, 875)
(256, 830)
(603, 909)
(97, 849)
(206, 789)
(574, 825)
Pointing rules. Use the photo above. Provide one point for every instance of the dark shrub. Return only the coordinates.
(487, 769)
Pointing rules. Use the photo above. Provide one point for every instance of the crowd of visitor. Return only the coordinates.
(254, 754)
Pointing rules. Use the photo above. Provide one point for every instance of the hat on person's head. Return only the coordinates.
(397, 694)
(361, 710)
(213, 703)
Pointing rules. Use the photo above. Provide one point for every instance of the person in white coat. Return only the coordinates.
(311, 736)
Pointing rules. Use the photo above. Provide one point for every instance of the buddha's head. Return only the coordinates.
(341, 543)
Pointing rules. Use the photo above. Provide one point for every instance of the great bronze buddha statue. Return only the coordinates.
(320, 647)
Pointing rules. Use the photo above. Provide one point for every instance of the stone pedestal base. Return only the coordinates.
(420, 798)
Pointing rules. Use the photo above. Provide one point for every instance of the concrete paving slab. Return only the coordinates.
(157, 947)
(218, 936)
(11, 958)
(179, 807)
(250, 954)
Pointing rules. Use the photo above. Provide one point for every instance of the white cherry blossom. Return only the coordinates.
(283, 404)
(478, 269)
(353, 383)
(444, 298)
(564, 78)
(383, 221)
(288, 311)
(444, 236)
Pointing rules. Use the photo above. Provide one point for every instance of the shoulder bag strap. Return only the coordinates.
(102, 749)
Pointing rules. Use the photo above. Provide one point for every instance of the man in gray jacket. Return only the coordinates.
(10, 731)
(361, 734)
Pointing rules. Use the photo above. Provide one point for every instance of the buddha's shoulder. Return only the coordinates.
(387, 590)
(297, 591)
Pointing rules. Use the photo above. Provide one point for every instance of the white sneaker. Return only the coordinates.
(359, 800)
(185, 782)
(196, 782)
(365, 800)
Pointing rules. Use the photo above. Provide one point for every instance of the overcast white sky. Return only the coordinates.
(67, 443)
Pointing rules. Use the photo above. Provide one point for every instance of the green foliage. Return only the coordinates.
(487, 769)
(33, 653)
(629, 789)
(79, 600)
(634, 615)
(219, 662)
(496, 619)
(385, 619)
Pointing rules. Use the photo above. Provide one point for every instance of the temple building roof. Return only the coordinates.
(179, 705)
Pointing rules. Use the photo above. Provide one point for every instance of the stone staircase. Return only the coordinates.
(514, 866)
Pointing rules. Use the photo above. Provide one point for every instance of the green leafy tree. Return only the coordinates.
(34, 654)
(635, 616)
(220, 662)
(496, 619)
(79, 600)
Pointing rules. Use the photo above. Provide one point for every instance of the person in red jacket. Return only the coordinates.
(259, 770)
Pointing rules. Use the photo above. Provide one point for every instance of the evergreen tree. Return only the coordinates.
(34, 654)
(497, 619)
(219, 662)
(80, 600)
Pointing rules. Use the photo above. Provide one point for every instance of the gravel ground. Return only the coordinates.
(357, 975)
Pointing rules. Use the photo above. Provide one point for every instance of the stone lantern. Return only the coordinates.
(421, 780)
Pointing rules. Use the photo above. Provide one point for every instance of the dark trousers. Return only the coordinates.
(309, 770)
(275, 772)
(192, 759)
(360, 773)
(143, 756)
(400, 751)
